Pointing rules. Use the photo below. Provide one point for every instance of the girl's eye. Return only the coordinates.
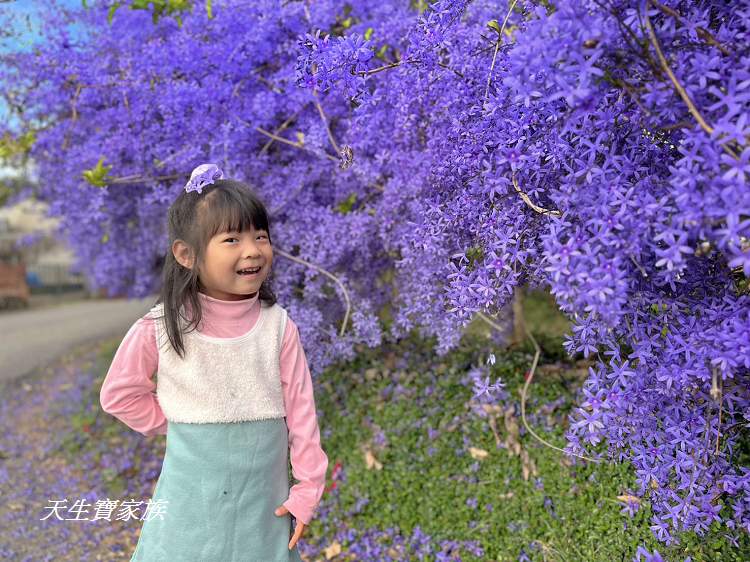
(234, 238)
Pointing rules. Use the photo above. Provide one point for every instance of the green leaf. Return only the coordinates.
(474, 254)
(208, 9)
(98, 175)
(347, 23)
(346, 205)
(111, 13)
(21, 145)
(368, 33)
(492, 24)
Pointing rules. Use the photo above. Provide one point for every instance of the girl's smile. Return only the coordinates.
(230, 253)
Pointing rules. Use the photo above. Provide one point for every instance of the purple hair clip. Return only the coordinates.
(203, 175)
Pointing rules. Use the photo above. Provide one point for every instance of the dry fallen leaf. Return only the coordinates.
(511, 441)
(629, 499)
(528, 467)
(478, 453)
(493, 426)
(492, 408)
(333, 550)
(371, 461)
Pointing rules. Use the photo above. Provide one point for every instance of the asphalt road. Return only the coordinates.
(31, 338)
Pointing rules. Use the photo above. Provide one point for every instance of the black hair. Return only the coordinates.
(195, 218)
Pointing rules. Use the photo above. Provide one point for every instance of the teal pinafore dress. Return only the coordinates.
(225, 469)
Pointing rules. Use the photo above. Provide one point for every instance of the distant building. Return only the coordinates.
(27, 231)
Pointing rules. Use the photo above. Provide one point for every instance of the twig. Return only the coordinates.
(534, 206)
(497, 48)
(281, 127)
(287, 141)
(271, 86)
(326, 273)
(325, 122)
(680, 90)
(703, 33)
(526, 386)
(136, 178)
(74, 116)
(400, 62)
(717, 394)
(380, 68)
(237, 87)
(679, 125)
(161, 163)
(633, 94)
(639, 266)
(456, 72)
(537, 353)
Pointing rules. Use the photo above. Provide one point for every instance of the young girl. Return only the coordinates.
(233, 389)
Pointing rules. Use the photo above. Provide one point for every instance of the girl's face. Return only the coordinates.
(228, 253)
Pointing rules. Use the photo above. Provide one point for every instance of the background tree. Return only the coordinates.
(435, 158)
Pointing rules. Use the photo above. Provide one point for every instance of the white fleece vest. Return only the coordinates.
(222, 379)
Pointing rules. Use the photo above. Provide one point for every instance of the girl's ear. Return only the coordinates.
(183, 254)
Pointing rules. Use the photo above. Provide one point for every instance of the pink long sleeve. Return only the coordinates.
(128, 389)
(128, 393)
(309, 461)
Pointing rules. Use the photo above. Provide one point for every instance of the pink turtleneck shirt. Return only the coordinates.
(128, 391)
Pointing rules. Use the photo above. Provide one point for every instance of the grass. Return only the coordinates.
(566, 512)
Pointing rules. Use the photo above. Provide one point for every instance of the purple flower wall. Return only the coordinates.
(600, 149)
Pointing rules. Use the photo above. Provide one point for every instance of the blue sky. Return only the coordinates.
(21, 18)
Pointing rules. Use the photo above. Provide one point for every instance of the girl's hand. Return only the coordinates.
(298, 529)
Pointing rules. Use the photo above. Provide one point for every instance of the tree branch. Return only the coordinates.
(497, 47)
(137, 178)
(680, 89)
(336, 147)
(703, 33)
(327, 274)
(281, 127)
(524, 392)
(287, 141)
(534, 206)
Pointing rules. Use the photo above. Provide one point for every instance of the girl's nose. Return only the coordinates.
(252, 250)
